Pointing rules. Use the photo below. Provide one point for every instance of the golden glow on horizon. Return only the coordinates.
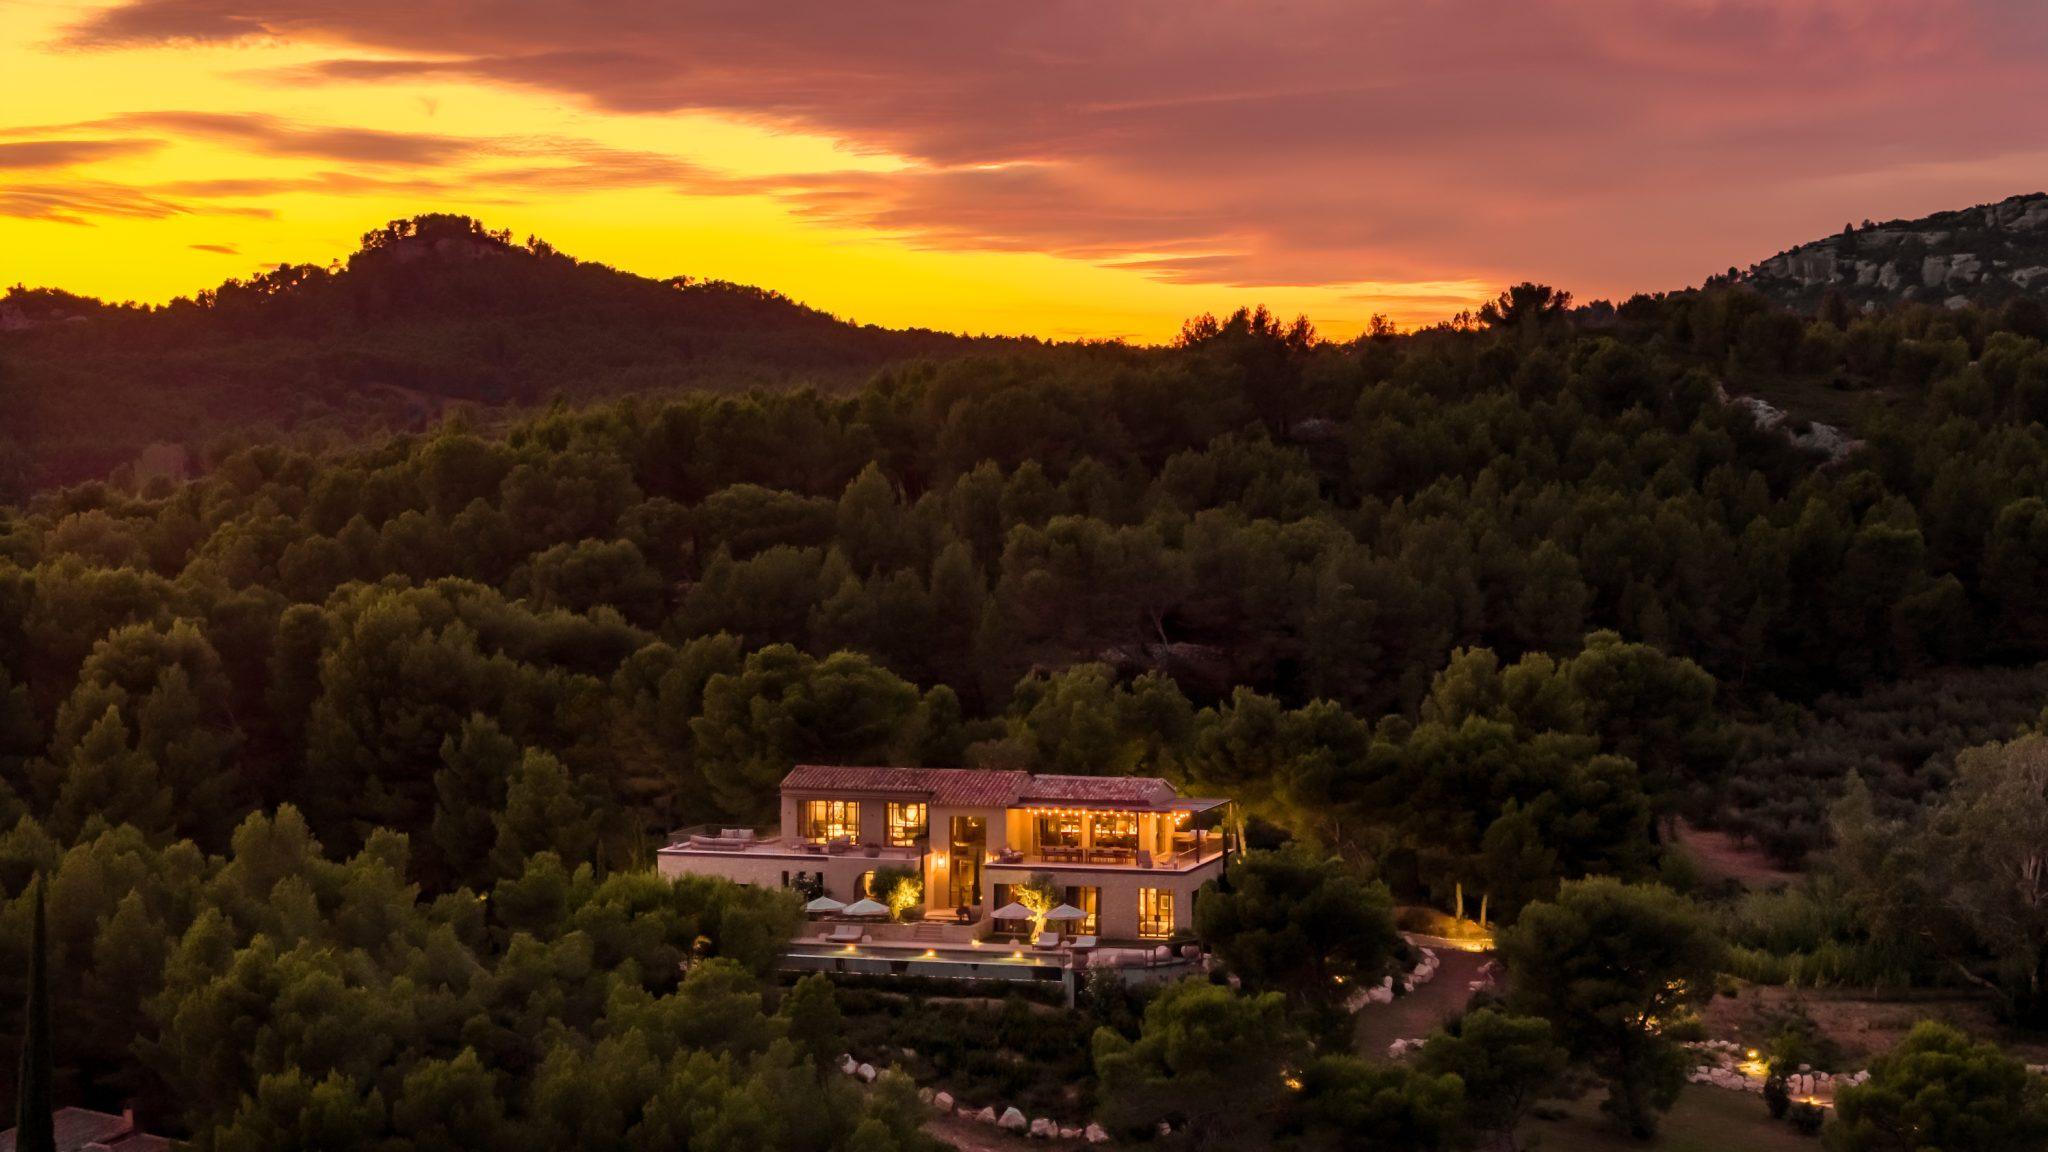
(193, 232)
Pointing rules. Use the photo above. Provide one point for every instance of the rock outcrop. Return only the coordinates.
(1983, 255)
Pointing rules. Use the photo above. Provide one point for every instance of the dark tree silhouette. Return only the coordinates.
(1525, 305)
(34, 1130)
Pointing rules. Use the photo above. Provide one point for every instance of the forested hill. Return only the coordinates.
(1472, 607)
(1984, 255)
(430, 312)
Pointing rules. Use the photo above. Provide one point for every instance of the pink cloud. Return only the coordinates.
(1609, 145)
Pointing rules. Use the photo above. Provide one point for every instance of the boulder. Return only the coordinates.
(1095, 1134)
(1013, 1120)
(1069, 1133)
(848, 1065)
(988, 1115)
(1043, 1129)
(943, 1101)
(866, 1072)
(926, 1095)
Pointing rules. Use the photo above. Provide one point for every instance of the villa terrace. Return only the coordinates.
(1125, 855)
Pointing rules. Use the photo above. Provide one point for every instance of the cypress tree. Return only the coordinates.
(35, 1130)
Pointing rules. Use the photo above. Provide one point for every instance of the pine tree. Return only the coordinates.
(34, 1129)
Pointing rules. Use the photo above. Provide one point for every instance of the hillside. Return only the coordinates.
(1984, 255)
(431, 312)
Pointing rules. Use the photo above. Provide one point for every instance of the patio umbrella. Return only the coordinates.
(866, 907)
(1066, 912)
(1013, 911)
(824, 904)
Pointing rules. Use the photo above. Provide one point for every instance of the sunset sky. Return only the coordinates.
(1094, 168)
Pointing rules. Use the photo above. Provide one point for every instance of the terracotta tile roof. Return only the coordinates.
(84, 1130)
(978, 787)
(1147, 790)
(964, 787)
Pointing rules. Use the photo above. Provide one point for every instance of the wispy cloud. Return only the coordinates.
(22, 154)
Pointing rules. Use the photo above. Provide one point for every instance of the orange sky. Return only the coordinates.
(1062, 169)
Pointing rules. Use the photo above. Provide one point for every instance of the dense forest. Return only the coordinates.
(346, 765)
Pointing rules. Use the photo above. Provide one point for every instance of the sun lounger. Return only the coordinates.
(1047, 941)
(846, 934)
(1082, 943)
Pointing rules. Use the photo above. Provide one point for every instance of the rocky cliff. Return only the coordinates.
(1983, 255)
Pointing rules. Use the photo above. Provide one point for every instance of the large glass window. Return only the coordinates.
(1155, 913)
(906, 823)
(1089, 900)
(831, 819)
(969, 842)
(1116, 830)
(1059, 830)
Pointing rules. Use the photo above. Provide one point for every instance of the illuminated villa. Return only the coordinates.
(1125, 853)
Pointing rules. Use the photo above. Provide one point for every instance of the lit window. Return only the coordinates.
(1116, 830)
(1155, 913)
(831, 819)
(906, 823)
(1059, 830)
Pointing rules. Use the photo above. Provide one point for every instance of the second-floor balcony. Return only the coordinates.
(1048, 857)
(766, 842)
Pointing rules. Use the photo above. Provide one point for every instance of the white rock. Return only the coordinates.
(943, 1101)
(848, 1065)
(866, 1072)
(1070, 1133)
(1013, 1120)
(1095, 1134)
(988, 1115)
(1043, 1129)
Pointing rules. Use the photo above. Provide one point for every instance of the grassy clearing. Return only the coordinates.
(1703, 1120)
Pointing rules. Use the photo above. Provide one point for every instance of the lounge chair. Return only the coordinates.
(846, 934)
(1082, 943)
(1047, 941)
